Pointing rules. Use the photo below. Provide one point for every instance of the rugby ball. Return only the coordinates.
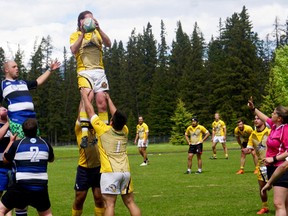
(89, 25)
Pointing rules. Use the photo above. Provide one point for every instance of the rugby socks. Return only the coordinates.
(84, 123)
(21, 212)
(76, 212)
(104, 117)
(242, 168)
(189, 170)
(99, 211)
(264, 204)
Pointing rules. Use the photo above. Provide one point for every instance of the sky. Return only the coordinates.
(25, 22)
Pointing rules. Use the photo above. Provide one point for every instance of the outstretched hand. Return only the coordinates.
(55, 65)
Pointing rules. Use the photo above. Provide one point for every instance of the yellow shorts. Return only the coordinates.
(262, 174)
(93, 79)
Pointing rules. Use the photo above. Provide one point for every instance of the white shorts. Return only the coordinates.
(115, 183)
(217, 139)
(97, 78)
(140, 143)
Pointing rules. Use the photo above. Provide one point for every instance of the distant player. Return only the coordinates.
(242, 133)
(194, 137)
(257, 143)
(218, 135)
(142, 133)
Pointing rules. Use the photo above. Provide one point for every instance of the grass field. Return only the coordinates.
(162, 188)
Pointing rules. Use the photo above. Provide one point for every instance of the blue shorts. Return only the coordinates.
(4, 178)
(87, 178)
(17, 197)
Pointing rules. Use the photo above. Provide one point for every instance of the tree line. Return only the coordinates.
(150, 78)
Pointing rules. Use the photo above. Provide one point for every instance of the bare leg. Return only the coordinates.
(128, 200)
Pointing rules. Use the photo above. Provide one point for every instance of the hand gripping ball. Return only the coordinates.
(89, 25)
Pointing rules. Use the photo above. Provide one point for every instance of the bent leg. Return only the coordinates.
(109, 203)
(101, 104)
(128, 200)
(98, 200)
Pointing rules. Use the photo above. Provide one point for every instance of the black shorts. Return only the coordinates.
(195, 149)
(17, 197)
(282, 181)
(86, 178)
(244, 144)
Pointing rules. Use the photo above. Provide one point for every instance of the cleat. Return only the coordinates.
(143, 164)
(213, 157)
(226, 157)
(263, 211)
(198, 172)
(84, 142)
(256, 171)
(187, 172)
(241, 171)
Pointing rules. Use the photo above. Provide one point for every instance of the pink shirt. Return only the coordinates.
(277, 141)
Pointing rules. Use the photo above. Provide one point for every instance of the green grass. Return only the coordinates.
(162, 188)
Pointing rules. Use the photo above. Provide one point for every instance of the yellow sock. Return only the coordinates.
(84, 122)
(265, 204)
(256, 167)
(242, 167)
(76, 212)
(99, 211)
(104, 117)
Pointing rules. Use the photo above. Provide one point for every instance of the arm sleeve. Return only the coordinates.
(31, 84)
(11, 152)
(51, 153)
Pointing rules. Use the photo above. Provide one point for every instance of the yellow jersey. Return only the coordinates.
(90, 53)
(195, 134)
(218, 128)
(244, 134)
(142, 130)
(112, 146)
(88, 157)
(257, 141)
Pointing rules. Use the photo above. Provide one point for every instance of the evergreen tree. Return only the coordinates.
(193, 80)
(181, 119)
(277, 88)
(148, 50)
(70, 98)
(180, 52)
(162, 101)
(19, 60)
(240, 68)
(2, 61)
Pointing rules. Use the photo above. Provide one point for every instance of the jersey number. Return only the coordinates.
(35, 151)
(118, 147)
